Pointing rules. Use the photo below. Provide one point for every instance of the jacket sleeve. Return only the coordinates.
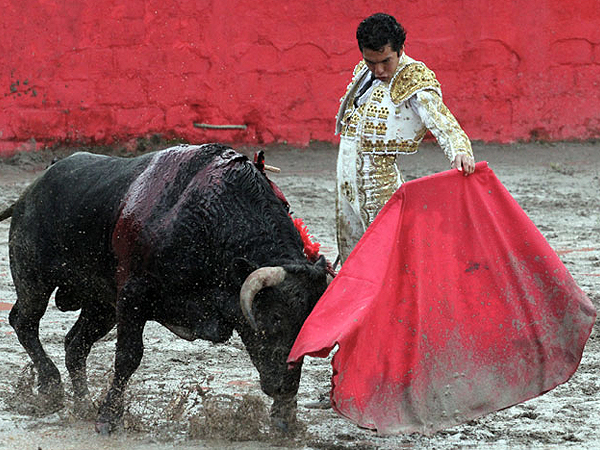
(443, 125)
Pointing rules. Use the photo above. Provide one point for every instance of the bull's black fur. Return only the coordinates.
(170, 237)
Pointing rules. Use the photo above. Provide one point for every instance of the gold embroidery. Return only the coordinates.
(383, 113)
(391, 147)
(351, 120)
(358, 114)
(412, 78)
(459, 142)
(372, 111)
(362, 195)
(386, 178)
(421, 134)
(369, 127)
(378, 94)
(347, 191)
(359, 67)
(377, 183)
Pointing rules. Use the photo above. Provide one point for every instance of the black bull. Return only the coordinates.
(192, 237)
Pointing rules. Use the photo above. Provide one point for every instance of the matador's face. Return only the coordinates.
(383, 62)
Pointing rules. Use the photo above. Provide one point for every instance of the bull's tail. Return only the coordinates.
(6, 213)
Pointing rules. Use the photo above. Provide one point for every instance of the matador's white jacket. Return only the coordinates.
(388, 119)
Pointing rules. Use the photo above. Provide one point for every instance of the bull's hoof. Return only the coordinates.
(110, 415)
(51, 402)
(53, 392)
(40, 404)
(108, 423)
(103, 428)
(84, 408)
(46, 399)
(283, 415)
(280, 425)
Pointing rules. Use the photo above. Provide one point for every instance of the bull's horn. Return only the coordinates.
(272, 168)
(257, 280)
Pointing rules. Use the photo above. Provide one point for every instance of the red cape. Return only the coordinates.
(452, 305)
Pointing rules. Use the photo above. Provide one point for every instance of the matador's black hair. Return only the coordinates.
(378, 30)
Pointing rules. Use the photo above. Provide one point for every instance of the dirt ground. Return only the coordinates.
(203, 395)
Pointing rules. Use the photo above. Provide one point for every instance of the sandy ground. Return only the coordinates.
(202, 395)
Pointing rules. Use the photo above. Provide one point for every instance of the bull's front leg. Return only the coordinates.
(129, 352)
(277, 380)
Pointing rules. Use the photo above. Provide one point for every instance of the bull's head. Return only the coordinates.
(275, 302)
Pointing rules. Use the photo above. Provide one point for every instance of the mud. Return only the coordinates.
(203, 395)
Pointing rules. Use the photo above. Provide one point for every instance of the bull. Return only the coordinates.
(192, 237)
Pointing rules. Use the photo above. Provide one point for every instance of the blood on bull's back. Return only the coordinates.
(197, 210)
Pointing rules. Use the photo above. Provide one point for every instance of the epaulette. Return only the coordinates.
(412, 78)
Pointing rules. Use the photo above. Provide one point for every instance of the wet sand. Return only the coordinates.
(178, 383)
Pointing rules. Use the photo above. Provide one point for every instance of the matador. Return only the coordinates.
(382, 116)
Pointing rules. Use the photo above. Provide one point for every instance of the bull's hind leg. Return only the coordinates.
(94, 323)
(25, 319)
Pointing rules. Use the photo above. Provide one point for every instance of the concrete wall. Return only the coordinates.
(95, 72)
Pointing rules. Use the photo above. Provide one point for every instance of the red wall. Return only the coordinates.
(102, 71)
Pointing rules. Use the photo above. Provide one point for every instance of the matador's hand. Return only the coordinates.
(465, 163)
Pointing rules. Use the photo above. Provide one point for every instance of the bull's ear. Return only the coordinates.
(239, 269)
